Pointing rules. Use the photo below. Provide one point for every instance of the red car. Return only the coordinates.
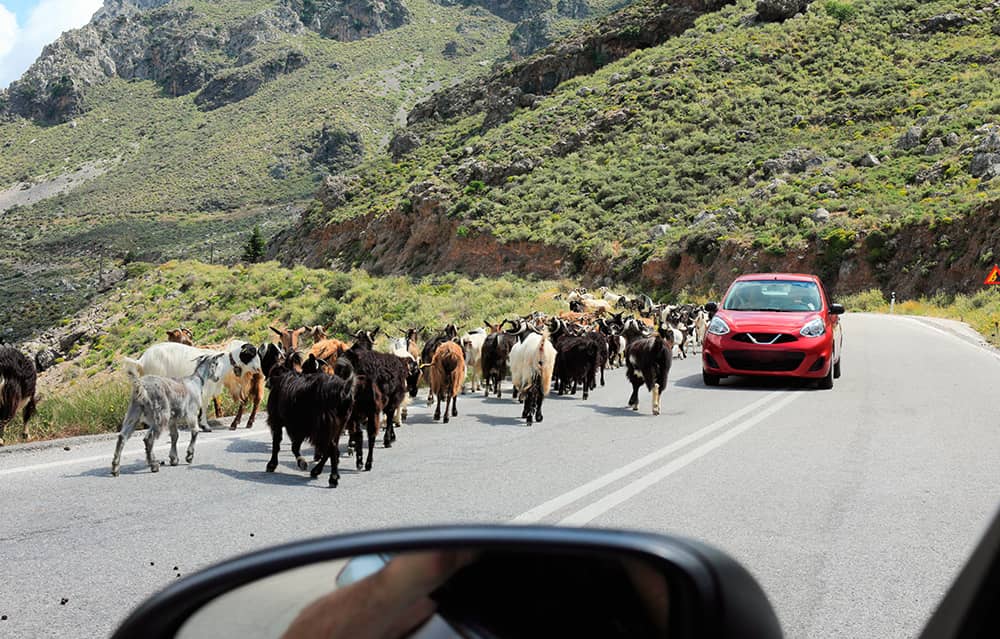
(775, 324)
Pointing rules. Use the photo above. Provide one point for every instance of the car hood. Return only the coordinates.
(765, 321)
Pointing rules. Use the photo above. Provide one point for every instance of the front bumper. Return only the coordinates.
(808, 357)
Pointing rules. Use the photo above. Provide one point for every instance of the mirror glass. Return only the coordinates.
(447, 593)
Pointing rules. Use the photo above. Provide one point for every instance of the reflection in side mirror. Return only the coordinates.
(836, 309)
(453, 582)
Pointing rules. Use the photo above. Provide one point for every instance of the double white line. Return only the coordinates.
(758, 411)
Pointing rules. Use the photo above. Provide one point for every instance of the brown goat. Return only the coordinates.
(181, 335)
(329, 349)
(447, 374)
(288, 338)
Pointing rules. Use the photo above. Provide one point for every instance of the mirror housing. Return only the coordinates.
(711, 595)
(836, 309)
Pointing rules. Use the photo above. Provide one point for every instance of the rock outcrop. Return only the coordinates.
(779, 10)
(641, 25)
(242, 82)
(348, 20)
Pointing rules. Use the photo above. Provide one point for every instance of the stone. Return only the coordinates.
(658, 231)
(403, 143)
(910, 139)
(952, 139)
(779, 10)
(934, 147)
(950, 21)
(244, 317)
(820, 215)
(868, 160)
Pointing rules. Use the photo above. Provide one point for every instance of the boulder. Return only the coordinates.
(403, 143)
(779, 10)
(337, 190)
(952, 139)
(820, 215)
(868, 160)
(934, 147)
(950, 21)
(910, 139)
(793, 161)
(985, 163)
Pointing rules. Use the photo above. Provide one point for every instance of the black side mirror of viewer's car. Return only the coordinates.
(836, 309)
(466, 581)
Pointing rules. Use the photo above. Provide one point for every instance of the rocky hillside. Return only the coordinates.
(857, 139)
(168, 129)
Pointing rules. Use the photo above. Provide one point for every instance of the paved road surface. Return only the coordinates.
(854, 507)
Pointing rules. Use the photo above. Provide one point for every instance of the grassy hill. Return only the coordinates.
(152, 169)
(841, 140)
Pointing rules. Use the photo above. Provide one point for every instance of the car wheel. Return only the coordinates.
(836, 370)
(709, 379)
(827, 382)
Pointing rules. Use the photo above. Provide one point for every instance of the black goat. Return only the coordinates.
(647, 360)
(389, 373)
(316, 408)
(17, 388)
(576, 359)
(496, 350)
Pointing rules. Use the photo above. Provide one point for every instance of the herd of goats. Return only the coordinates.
(317, 394)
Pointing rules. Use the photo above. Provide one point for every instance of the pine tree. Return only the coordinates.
(254, 250)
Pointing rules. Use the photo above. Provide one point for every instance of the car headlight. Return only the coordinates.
(718, 326)
(813, 328)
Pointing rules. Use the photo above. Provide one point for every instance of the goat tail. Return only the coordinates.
(133, 368)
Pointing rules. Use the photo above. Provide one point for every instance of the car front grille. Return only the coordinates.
(764, 338)
(765, 360)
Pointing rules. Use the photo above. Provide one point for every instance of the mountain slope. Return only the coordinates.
(829, 141)
(169, 128)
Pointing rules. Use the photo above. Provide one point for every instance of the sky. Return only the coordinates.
(28, 25)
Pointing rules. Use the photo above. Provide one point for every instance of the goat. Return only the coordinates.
(181, 335)
(496, 349)
(412, 334)
(288, 338)
(576, 359)
(18, 378)
(399, 347)
(447, 372)
(163, 402)
(329, 349)
(389, 373)
(310, 407)
(647, 359)
(472, 344)
(170, 359)
(450, 332)
(532, 362)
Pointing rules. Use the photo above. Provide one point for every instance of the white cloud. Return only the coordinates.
(20, 46)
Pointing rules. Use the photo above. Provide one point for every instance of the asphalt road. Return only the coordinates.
(854, 507)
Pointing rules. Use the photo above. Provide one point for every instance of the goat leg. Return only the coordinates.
(189, 457)
(275, 445)
(334, 463)
(437, 411)
(633, 401)
(373, 426)
(356, 438)
(174, 435)
(239, 416)
(297, 451)
(154, 466)
(454, 406)
(656, 399)
(128, 427)
(253, 411)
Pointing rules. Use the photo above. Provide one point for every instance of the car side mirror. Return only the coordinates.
(711, 307)
(836, 309)
(484, 581)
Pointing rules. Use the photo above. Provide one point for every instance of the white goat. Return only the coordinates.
(472, 344)
(163, 403)
(532, 361)
(170, 359)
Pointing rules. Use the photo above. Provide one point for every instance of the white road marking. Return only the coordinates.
(107, 457)
(536, 514)
(598, 508)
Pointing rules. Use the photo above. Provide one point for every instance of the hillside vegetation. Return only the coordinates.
(168, 131)
(85, 392)
(814, 142)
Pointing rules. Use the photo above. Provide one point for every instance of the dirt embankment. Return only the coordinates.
(920, 259)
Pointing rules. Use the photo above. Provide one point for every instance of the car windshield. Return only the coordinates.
(773, 295)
